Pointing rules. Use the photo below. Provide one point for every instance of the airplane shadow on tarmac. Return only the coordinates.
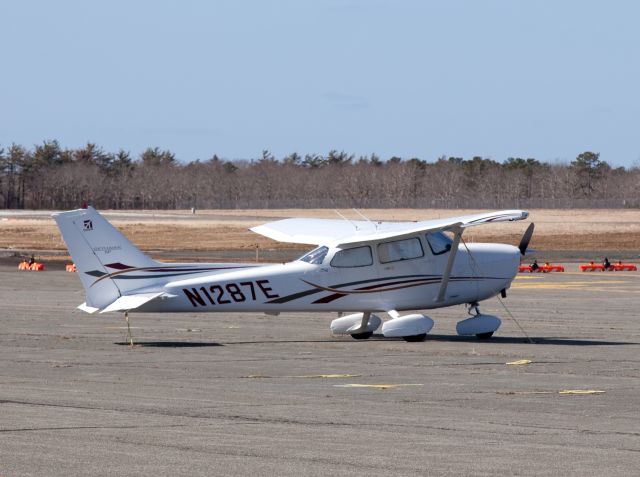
(208, 344)
(170, 344)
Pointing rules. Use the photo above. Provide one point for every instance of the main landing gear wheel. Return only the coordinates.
(484, 336)
(362, 336)
(415, 338)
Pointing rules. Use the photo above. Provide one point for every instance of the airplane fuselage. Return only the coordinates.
(407, 284)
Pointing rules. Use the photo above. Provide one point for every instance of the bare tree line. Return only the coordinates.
(50, 177)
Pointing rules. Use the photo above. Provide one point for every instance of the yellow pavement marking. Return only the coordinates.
(519, 362)
(581, 391)
(568, 285)
(563, 392)
(375, 386)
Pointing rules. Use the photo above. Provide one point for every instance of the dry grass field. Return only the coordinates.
(217, 230)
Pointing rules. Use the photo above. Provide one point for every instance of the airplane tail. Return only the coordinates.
(100, 253)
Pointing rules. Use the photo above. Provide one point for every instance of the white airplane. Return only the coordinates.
(361, 267)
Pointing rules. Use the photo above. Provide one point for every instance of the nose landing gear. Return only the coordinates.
(483, 326)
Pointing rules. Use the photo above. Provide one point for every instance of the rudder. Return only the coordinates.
(99, 251)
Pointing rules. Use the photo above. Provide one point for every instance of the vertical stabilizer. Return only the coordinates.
(99, 251)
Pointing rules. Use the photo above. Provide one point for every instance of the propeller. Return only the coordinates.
(526, 238)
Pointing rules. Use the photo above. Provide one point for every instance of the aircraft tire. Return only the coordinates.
(362, 336)
(415, 338)
(484, 336)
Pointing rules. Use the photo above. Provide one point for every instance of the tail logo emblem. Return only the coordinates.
(87, 225)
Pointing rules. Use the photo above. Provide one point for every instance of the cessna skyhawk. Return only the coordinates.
(361, 267)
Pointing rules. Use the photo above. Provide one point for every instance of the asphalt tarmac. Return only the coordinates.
(249, 394)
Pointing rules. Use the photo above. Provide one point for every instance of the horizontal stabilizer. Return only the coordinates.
(129, 302)
(88, 309)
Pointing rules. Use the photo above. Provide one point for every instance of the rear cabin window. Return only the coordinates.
(353, 257)
(439, 242)
(400, 250)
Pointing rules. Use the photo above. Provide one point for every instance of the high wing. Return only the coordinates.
(343, 232)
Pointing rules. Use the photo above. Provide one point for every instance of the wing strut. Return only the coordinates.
(452, 256)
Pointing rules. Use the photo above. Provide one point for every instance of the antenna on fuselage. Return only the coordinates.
(375, 225)
(343, 217)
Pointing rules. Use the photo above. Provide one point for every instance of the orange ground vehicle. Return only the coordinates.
(546, 268)
(614, 267)
(35, 266)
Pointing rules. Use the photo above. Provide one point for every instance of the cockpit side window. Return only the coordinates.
(400, 250)
(316, 256)
(439, 242)
(353, 257)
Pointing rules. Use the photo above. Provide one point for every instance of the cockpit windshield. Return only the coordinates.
(439, 242)
(316, 256)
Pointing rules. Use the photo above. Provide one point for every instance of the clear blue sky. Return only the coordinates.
(543, 79)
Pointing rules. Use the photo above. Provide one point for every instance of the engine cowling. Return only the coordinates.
(478, 324)
(350, 324)
(408, 325)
